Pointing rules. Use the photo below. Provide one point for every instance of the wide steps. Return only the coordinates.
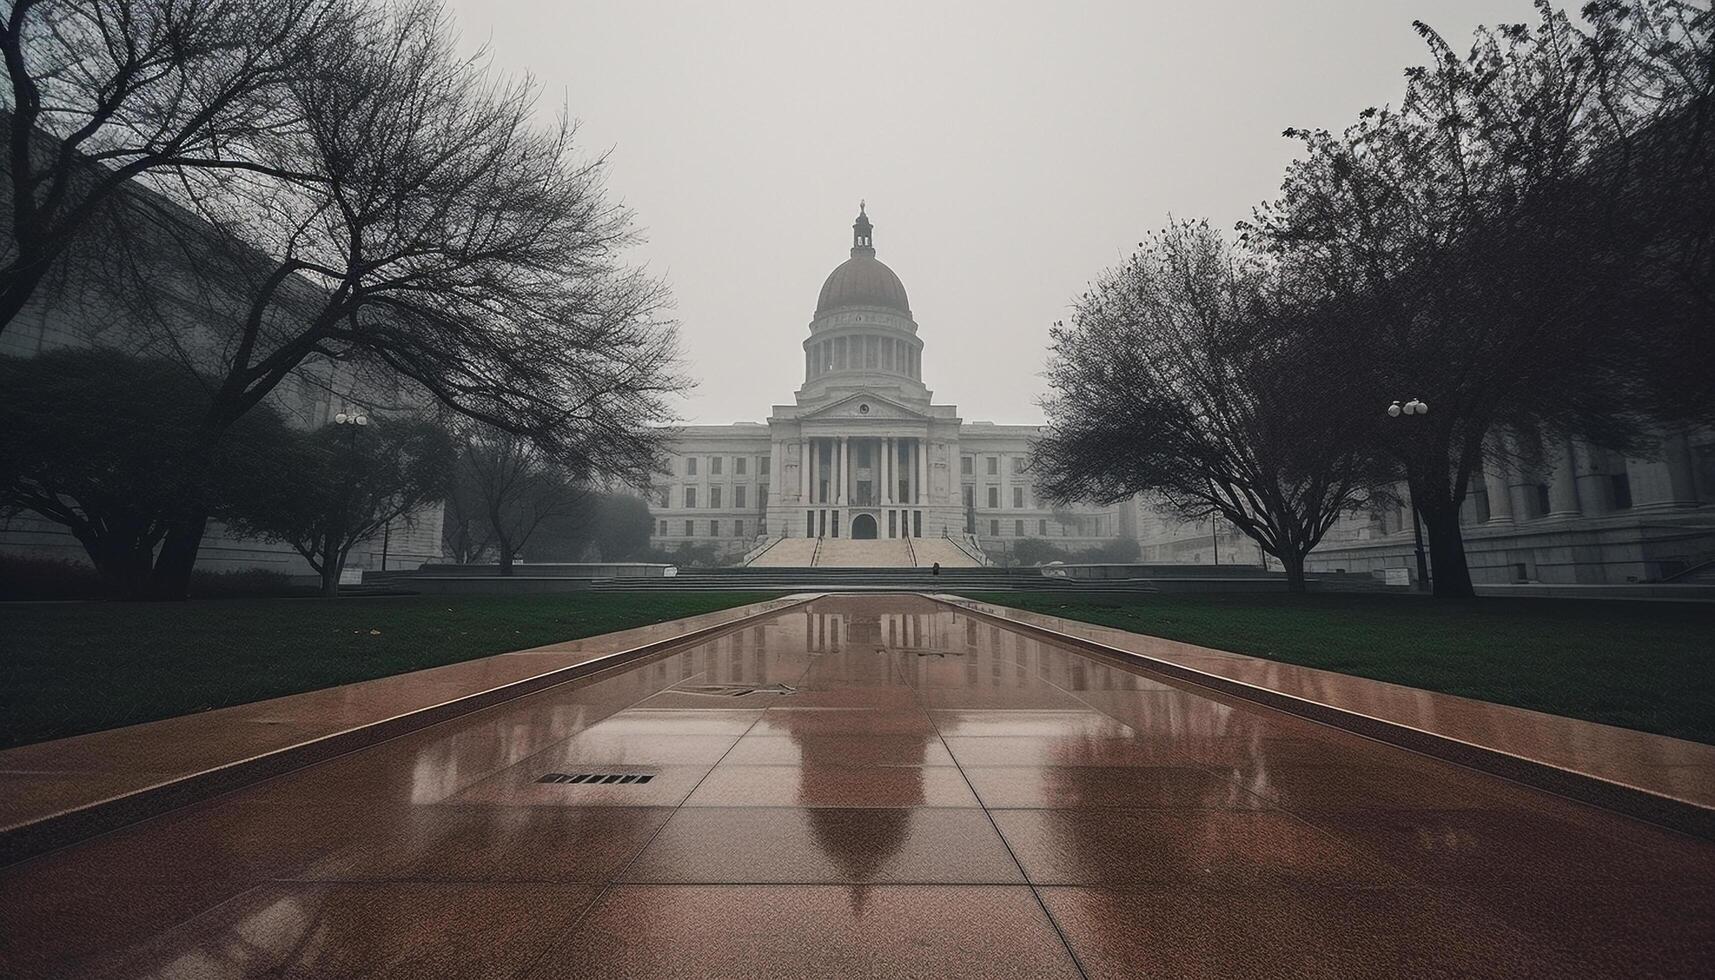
(875, 553)
(787, 553)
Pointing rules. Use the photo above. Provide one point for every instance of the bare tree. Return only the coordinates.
(515, 487)
(1185, 375)
(449, 240)
(102, 93)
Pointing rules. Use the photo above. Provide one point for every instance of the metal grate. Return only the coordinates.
(604, 778)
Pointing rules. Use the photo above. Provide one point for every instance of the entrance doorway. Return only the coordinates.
(863, 528)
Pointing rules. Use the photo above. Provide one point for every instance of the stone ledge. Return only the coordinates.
(57, 793)
(1664, 780)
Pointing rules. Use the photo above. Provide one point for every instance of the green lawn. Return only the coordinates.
(1644, 665)
(85, 666)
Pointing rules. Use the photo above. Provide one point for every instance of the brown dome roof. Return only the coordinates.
(862, 280)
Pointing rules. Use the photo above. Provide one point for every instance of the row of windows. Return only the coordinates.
(991, 465)
(1019, 497)
(714, 529)
(739, 465)
(862, 353)
(740, 497)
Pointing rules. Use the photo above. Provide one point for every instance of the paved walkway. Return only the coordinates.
(930, 795)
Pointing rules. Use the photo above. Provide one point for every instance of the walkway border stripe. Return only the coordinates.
(49, 833)
(1681, 815)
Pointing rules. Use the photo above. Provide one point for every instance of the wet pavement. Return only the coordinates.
(905, 790)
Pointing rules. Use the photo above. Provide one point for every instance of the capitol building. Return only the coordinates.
(863, 453)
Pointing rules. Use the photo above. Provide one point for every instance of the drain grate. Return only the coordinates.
(592, 778)
(734, 690)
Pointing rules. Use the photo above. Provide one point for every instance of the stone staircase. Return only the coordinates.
(932, 550)
(868, 553)
(786, 553)
(873, 553)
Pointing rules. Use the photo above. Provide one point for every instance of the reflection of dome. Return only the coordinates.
(862, 280)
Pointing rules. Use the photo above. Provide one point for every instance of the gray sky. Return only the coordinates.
(1008, 151)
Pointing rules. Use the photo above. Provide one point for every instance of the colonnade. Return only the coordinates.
(830, 482)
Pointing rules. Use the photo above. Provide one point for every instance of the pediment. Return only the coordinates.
(864, 406)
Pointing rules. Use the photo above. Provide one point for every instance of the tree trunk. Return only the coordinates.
(333, 562)
(1294, 565)
(1450, 575)
(178, 558)
(505, 556)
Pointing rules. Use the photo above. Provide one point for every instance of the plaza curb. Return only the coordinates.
(1633, 801)
(23, 841)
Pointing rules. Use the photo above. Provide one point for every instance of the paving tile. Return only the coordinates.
(1074, 787)
(604, 749)
(480, 843)
(1080, 750)
(1117, 848)
(771, 931)
(838, 750)
(826, 845)
(677, 721)
(1022, 722)
(844, 721)
(369, 929)
(848, 786)
(1196, 930)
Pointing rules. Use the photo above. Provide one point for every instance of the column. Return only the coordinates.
(887, 453)
(1005, 481)
(922, 471)
(776, 474)
(1665, 483)
(1500, 495)
(1595, 492)
(815, 471)
(911, 471)
(804, 471)
(843, 468)
(1563, 486)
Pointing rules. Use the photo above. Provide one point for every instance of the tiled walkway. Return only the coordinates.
(931, 795)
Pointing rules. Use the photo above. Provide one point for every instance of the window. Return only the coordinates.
(714, 466)
(1042, 528)
(738, 529)
(764, 464)
(1018, 496)
(738, 496)
(663, 498)
(690, 466)
(690, 529)
(965, 466)
(1018, 464)
(714, 529)
(714, 496)
(994, 529)
(994, 498)
(1542, 504)
(690, 497)
(738, 463)
(1018, 528)
(994, 465)
(661, 528)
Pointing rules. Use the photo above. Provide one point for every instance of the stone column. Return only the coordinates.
(1500, 495)
(1667, 483)
(887, 452)
(843, 467)
(922, 471)
(1563, 486)
(912, 448)
(776, 475)
(815, 471)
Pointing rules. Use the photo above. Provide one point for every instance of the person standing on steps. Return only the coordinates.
(935, 569)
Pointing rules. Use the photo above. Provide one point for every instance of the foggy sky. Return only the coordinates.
(1008, 151)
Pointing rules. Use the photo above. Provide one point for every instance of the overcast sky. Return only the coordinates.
(1008, 151)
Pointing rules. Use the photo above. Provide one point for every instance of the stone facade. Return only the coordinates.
(863, 450)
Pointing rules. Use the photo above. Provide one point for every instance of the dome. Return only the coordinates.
(862, 281)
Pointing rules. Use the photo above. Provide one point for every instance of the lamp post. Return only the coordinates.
(1411, 409)
(352, 421)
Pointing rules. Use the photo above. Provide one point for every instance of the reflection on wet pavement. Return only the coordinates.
(872, 786)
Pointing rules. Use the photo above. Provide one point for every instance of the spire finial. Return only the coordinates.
(863, 244)
(860, 205)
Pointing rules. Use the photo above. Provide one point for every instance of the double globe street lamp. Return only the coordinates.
(1414, 407)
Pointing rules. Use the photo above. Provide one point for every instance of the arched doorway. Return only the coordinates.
(863, 528)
